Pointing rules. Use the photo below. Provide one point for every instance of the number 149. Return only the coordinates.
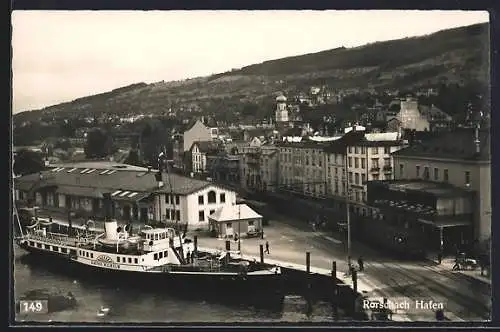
(33, 306)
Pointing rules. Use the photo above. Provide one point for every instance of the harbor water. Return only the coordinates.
(149, 306)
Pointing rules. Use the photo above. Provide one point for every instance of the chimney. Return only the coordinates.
(476, 140)
(159, 179)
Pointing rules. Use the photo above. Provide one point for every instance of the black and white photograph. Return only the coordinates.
(250, 167)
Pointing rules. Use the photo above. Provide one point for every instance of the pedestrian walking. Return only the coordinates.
(440, 257)
(267, 247)
(361, 264)
(456, 266)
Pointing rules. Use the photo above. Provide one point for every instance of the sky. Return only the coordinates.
(58, 56)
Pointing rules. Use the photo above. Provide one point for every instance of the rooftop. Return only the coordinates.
(234, 212)
(73, 180)
(458, 144)
(434, 188)
(98, 165)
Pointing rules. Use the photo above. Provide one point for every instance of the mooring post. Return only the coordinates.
(261, 248)
(335, 289)
(308, 262)
(228, 245)
(355, 281)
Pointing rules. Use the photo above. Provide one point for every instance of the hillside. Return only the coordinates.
(458, 56)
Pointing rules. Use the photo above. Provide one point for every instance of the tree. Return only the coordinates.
(99, 144)
(133, 158)
(28, 162)
(63, 144)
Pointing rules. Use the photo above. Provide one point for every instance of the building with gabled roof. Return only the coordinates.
(137, 195)
(231, 220)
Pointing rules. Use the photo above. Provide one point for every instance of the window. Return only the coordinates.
(356, 177)
(160, 255)
(363, 163)
(350, 161)
(211, 197)
(356, 150)
(91, 255)
(387, 150)
(467, 177)
(363, 178)
(55, 248)
(118, 259)
(136, 261)
(21, 195)
(155, 256)
(375, 150)
(445, 175)
(201, 216)
(167, 214)
(211, 212)
(200, 200)
(156, 237)
(167, 199)
(178, 215)
(436, 174)
(251, 223)
(46, 246)
(375, 163)
(401, 170)
(229, 225)
(356, 162)
(38, 245)
(223, 198)
(417, 170)
(64, 250)
(350, 177)
(32, 243)
(426, 173)
(350, 149)
(177, 199)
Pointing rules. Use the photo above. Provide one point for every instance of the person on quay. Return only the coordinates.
(361, 264)
(267, 247)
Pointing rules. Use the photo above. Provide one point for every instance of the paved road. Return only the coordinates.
(463, 297)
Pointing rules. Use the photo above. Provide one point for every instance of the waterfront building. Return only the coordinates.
(461, 158)
(137, 194)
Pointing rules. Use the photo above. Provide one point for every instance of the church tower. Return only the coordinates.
(281, 113)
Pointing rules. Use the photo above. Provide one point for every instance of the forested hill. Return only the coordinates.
(451, 57)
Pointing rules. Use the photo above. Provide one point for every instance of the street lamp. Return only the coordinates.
(239, 228)
(349, 193)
